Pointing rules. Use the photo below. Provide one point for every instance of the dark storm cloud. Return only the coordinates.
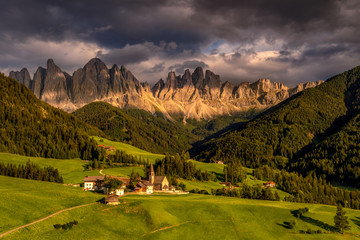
(192, 64)
(156, 68)
(133, 31)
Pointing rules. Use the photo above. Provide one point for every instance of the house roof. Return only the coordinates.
(93, 178)
(125, 180)
(140, 184)
(159, 179)
(270, 182)
(112, 198)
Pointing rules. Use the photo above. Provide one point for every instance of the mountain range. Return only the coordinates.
(198, 95)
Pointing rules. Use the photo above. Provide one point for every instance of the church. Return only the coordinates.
(160, 183)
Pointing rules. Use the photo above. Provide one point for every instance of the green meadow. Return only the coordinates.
(190, 216)
(23, 201)
(123, 171)
(72, 170)
(129, 149)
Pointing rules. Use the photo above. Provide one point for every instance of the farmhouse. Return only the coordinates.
(93, 183)
(227, 184)
(269, 184)
(112, 200)
(144, 187)
(119, 191)
(160, 183)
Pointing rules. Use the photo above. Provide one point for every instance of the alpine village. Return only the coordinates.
(227, 120)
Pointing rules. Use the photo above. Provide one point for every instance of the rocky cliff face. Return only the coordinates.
(196, 95)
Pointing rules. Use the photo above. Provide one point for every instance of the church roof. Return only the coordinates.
(159, 179)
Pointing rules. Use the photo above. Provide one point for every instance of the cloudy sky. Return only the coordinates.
(284, 40)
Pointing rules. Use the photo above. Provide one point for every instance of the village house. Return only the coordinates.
(92, 183)
(144, 187)
(119, 191)
(219, 162)
(112, 200)
(108, 148)
(228, 185)
(269, 184)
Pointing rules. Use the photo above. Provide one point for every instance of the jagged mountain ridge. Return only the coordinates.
(196, 95)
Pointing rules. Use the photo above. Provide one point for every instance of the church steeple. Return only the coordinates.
(151, 174)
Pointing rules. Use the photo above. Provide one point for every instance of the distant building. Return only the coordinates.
(92, 183)
(219, 162)
(112, 200)
(160, 182)
(227, 184)
(144, 187)
(108, 148)
(269, 184)
(119, 191)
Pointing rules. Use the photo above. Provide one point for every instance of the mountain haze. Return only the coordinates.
(198, 95)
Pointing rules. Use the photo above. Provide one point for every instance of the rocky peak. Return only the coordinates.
(186, 78)
(158, 87)
(198, 77)
(23, 77)
(212, 80)
(170, 81)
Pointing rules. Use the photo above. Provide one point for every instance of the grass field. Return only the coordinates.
(23, 201)
(190, 217)
(72, 170)
(129, 149)
(123, 171)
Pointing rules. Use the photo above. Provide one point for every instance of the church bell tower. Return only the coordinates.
(151, 174)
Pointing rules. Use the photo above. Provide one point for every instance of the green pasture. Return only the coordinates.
(191, 217)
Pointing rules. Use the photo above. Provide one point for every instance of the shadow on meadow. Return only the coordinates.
(356, 220)
(285, 224)
(314, 221)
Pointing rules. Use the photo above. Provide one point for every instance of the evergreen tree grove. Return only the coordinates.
(341, 221)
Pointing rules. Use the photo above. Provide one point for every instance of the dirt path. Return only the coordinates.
(40, 220)
(101, 172)
(164, 228)
(176, 225)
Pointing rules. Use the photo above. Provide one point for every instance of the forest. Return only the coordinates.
(31, 127)
(137, 127)
(316, 130)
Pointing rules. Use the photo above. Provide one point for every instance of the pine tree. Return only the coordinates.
(341, 221)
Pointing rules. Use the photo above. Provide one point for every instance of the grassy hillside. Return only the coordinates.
(31, 127)
(24, 201)
(190, 217)
(72, 170)
(136, 127)
(129, 149)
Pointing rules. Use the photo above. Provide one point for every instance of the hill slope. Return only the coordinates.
(136, 127)
(294, 127)
(31, 127)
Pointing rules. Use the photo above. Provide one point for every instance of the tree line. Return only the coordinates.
(309, 189)
(178, 166)
(250, 192)
(31, 171)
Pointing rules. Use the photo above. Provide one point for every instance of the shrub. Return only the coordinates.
(57, 226)
(292, 224)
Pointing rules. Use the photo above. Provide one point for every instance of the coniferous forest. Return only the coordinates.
(31, 127)
(313, 131)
